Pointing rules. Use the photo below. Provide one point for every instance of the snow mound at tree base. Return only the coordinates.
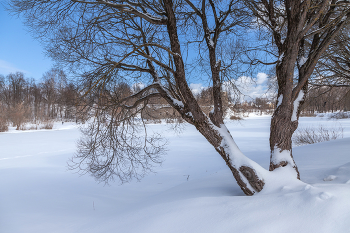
(314, 209)
(209, 206)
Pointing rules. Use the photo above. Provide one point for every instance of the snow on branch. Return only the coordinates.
(296, 105)
(178, 104)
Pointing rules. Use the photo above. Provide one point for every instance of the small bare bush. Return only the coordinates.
(312, 135)
(3, 125)
(235, 118)
(21, 127)
(307, 114)
(174, 120)
(33, 127)
(153, 121)
(17, 115)
(340, 115)
(47, 125)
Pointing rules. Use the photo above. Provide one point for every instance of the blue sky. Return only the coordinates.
(18, 50)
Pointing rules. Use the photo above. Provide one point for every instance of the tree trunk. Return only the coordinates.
(285, 117)
(281, 132)
(248, 174)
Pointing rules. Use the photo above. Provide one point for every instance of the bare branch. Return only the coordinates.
(129, 9)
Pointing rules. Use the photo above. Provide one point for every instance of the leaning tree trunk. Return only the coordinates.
(248, 174)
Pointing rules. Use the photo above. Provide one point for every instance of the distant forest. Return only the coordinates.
(55, 98)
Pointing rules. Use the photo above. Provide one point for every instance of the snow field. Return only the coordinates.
(193, 191)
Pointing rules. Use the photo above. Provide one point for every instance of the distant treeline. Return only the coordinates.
(327, 99)
(24, 100)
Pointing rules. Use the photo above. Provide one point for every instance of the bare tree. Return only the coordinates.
(17, 115)
(3, 117)
(301, 32)
(206, 100)
(15, 95)
(53, 84)
(141, 41)
(23, 100)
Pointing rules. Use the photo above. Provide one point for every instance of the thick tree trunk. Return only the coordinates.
(281, 132)
(285, 117)
(248, 174)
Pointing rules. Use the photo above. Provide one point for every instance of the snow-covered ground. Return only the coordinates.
(193, 191)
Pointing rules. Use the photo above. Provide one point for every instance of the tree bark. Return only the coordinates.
(247, 173)
(285, 119)
(281, 131)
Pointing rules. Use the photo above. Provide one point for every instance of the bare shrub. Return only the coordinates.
(47, 125)
(235, 118)
(17, 115)
(174, 120)
(22, 127)
(38, 126)
(3, 124)
(153, 121)
(310, 135)
(340, 115)
(131, 155)
(307, 114)
(33, 127)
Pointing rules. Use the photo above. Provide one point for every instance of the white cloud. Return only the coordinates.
(251, 88)
(244, 81)
(7, 67)
(138, 86)
(196, 88)
(261, 78)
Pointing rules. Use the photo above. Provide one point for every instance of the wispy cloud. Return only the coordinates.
(249, 87)
(7, 67)
(196, 88)
(253, 87)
